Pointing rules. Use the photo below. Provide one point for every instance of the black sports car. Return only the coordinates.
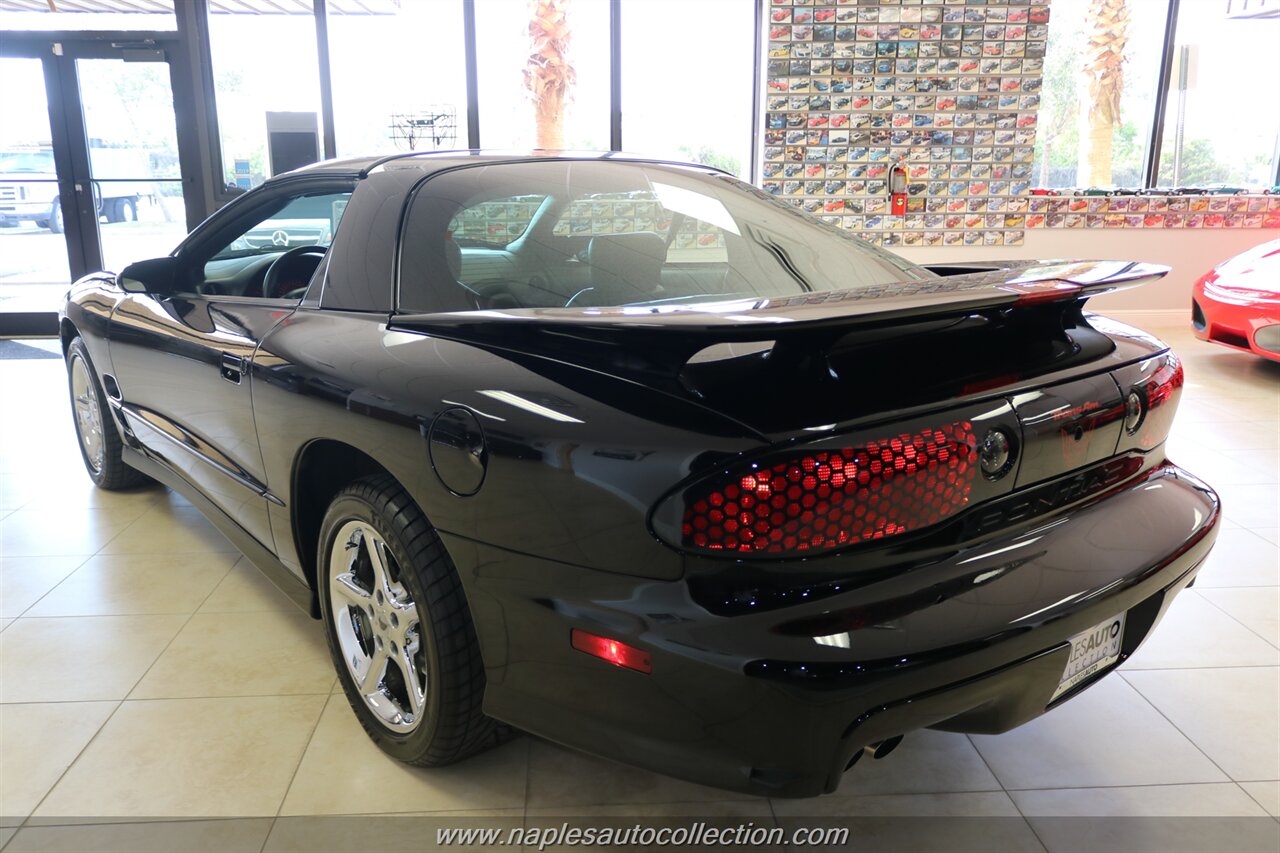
(632, 456)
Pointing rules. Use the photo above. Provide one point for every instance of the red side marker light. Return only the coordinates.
(613, 651)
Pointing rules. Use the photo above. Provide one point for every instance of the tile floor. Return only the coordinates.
(147, 671)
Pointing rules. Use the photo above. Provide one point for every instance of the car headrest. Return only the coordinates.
(624, 265)
(453, 258)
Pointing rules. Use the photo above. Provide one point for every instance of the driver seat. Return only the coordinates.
(625, 267)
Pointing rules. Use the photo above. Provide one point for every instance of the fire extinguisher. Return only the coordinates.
(898, 190)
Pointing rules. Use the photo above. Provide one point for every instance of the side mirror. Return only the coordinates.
(157, 276)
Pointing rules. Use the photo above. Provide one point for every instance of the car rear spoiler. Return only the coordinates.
(652, 342)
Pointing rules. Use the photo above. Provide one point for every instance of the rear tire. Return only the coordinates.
(100, 445)
(398, 627)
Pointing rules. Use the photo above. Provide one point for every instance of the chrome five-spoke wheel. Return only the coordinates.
(84, 398)
(377, 627)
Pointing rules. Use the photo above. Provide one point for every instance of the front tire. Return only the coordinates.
(399, 628)
(100, 444)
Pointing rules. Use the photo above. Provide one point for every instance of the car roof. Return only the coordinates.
(428, 162)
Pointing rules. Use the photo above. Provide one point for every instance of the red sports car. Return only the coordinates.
(1237, 303)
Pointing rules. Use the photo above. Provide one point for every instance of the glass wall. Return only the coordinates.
(1223, 111)
(261, 64)
(1065, 121)
(508, 64)
(397, 79)
(685, 73)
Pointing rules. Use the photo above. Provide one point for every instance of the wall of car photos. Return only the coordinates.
(949, 90)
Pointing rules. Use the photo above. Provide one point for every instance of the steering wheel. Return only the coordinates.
(291, 272)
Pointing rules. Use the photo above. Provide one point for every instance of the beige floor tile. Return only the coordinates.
(985, 821)
(1161, 819)
(1267, 794)
(925, 762)
(1257, 608)
(1251, 506)
(203, 836)
(1223, 799)
(136, 583)
(245, 589)
(5, 623)
(1271, 534)
(229, 757)
(37, 743)
(242, 654)
(1247, 467)
(170, 530)
(566, 778)
(80, 492)
(1195, 633)
(38, 533)
(80, 658)
(1233, 715)
(961, 804)
(1108, 735)
(757, 809)
(386, 834)
(1232, 435)
(343, 772)
(1240, 558)
(24, 580)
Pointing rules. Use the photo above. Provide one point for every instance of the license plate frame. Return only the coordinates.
(1092, 651)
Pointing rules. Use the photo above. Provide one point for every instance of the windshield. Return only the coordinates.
(26, 161)
(552, 234)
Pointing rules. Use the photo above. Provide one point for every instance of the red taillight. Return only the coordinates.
(832, 498)
(613, 651)
(1160, 394)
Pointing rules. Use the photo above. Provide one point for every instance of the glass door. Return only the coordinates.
(132, 144)
(34, 267)
(89, 169)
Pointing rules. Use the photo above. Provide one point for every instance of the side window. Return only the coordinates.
(273, 251)
(308, 220)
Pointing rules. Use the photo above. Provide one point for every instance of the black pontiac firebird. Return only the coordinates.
(632, 456)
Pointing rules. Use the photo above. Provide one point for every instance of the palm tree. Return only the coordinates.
(1107, 29)
(548, 75)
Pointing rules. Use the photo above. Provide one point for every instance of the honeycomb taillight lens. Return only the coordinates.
(831, 498)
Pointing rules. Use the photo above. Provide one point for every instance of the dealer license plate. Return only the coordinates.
(1091, 652)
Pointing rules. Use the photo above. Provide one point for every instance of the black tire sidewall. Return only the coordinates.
(354, 507)
(115, 473)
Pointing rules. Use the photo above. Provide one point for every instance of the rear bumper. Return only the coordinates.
(976, 643)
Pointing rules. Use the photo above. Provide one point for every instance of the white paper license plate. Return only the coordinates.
(1091, 652)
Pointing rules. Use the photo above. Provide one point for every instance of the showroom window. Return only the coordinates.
(262, 64)
(389, 94)
(535, 58)
(1081, 141)
(683, 106)
(1223, 116)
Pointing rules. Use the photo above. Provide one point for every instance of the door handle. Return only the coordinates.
(233, 367)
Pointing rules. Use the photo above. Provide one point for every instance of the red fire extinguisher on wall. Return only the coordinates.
(898, 190)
